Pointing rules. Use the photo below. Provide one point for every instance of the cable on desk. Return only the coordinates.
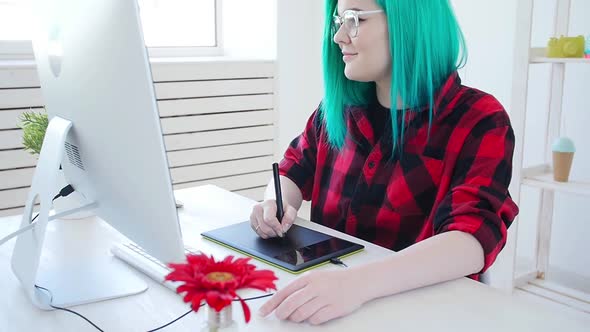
(255, 297)
(67, 310)
(202, 304)
(174, 321)
(337, 261)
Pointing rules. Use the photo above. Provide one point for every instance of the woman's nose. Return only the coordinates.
(341, 37)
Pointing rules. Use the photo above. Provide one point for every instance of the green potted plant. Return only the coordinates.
(34, 125)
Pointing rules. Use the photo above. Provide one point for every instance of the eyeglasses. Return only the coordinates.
(350, 21)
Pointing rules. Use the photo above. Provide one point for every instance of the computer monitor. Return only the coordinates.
(98, 90)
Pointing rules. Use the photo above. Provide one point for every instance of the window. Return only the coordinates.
(13, 21)
(178, 23)
(181, 27)
(171, 27)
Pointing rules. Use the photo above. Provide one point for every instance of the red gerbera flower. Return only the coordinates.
(217, 282)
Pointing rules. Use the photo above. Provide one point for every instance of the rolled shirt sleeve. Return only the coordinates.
(478, 201)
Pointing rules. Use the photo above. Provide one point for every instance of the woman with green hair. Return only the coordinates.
(399, 154)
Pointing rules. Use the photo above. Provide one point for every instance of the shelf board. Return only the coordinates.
(560, 286)
(563, 290)
(537, 55)
(542, 177)
(524, 278)
(557, 295)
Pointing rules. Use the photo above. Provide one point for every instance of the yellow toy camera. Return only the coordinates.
(566, 47)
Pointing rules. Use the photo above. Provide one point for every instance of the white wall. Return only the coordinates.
(300, 85)
(299, 51)
(488, 27)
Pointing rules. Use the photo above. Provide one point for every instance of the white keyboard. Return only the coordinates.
(135, 256)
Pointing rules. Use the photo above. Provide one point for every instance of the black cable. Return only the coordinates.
(174, 321)
(67, 310)
(79, 315)
(255, 297)
(337, 261)
(65, 191)
(202, 304)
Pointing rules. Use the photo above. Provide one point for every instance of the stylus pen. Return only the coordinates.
(278, 195)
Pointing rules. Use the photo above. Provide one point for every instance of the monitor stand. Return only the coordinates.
(63, 281)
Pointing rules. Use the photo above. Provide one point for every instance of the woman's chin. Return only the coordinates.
(350, 72)
(355, 75)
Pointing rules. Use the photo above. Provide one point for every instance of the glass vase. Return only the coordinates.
(219, 321)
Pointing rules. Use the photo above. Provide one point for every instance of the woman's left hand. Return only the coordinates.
(318, 297)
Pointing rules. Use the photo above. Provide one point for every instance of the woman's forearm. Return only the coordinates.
(443, 257)
(289, 190)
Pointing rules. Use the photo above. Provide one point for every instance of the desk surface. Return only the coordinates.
(460, 305)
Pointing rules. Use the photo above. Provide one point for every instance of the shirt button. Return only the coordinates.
(371, 164)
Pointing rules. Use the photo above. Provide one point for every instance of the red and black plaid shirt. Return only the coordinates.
(455, 180)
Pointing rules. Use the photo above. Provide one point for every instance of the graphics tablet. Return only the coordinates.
(300, 250)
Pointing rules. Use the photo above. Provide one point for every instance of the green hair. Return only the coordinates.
(426, 45)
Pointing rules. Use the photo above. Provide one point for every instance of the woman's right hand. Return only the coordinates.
(264, 222)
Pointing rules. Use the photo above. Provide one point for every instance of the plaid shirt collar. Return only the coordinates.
(362, 129)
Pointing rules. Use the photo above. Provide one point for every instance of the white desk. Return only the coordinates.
(460, 305)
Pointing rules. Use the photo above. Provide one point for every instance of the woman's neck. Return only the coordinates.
(383, 90)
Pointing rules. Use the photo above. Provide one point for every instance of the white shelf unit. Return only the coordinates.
(537, 55)
(533, 277)
(542, 177)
